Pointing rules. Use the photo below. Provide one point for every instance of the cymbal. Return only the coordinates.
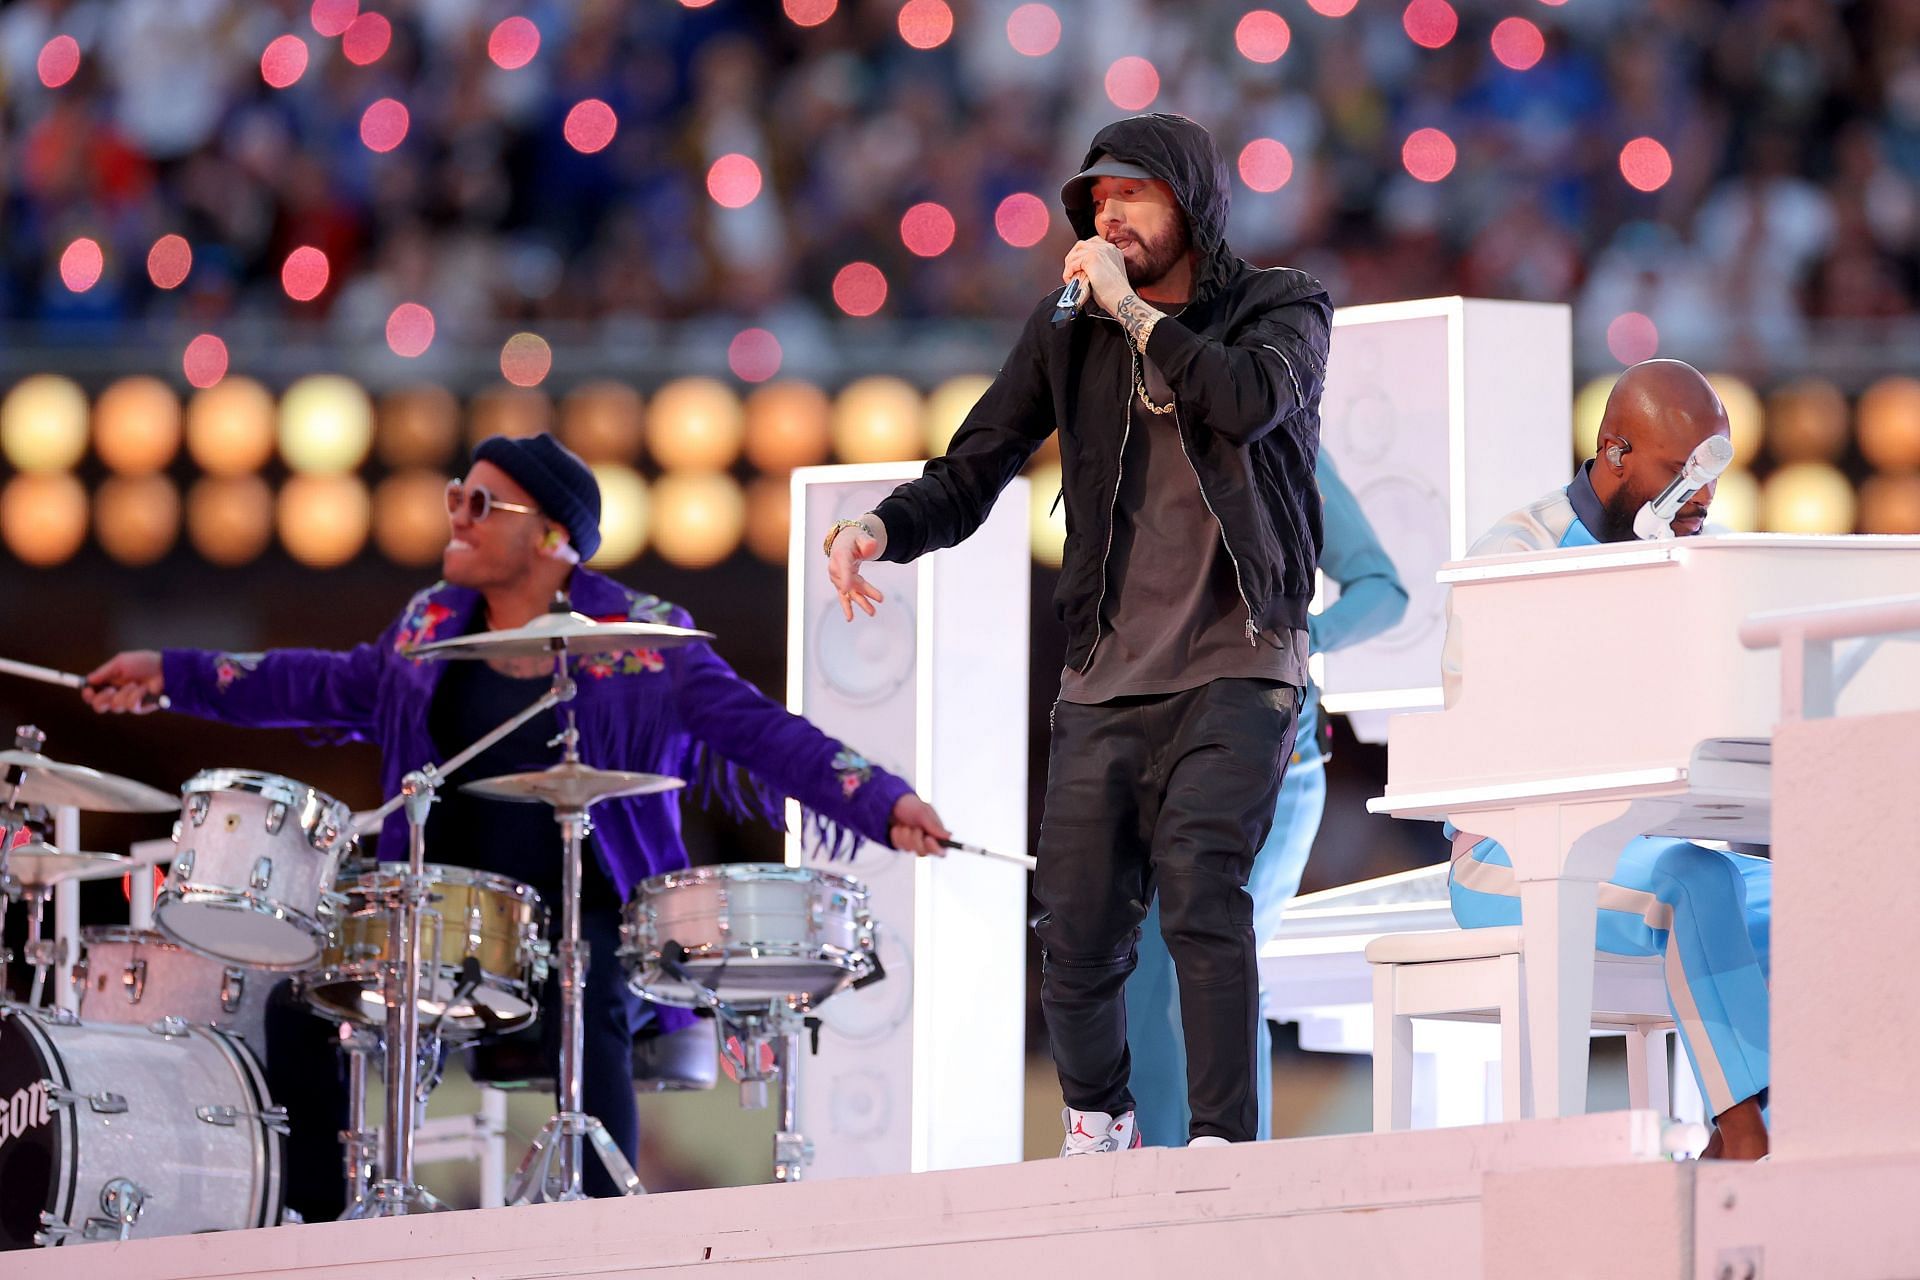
(53, 784)
(575, 632)
(42, 864)
(572, 786)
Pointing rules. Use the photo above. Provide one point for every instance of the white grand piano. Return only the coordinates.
(1604, 694)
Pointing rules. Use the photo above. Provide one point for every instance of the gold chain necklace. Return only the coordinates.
(1140, 385)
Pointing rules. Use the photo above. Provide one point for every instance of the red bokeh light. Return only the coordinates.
(169, 261)
(205, 361)
(809, 13)
(332, 17)
(1518, 44)
(590, 126)
(1645, 164)
(383, 126)
(513, 43)
(59, 61)
(1428, 154)
(525, 359)
(754, 355)
(1265, 164)
(367, 39)
(925, 24)
(1632, 338)
(304, 275)
(284, 61)
(733, 181)
(1133, 84)
(927, 230)
(1430, 23)
(1262, 36)
(1332, 8)
(81, 265)
(1022, 219)
(1034, 30)
(859, 289)
(410, 329)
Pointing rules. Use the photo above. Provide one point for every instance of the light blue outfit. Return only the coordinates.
(1708, 913)
(1371, 600)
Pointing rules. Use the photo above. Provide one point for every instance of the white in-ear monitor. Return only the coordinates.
(557, 546)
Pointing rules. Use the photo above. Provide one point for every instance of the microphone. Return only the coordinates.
(1072, 298)
(1704, 465)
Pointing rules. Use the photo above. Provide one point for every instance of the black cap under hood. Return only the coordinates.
(1181, 154)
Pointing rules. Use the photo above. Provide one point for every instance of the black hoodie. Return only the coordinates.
(1246, 361)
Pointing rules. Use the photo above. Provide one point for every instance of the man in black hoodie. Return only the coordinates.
(1187, 399)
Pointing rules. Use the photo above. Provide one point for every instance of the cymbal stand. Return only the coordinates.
(360, 1145)
(14, 820)
(552, 1169)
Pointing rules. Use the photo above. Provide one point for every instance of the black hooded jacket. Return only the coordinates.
(1246, 361)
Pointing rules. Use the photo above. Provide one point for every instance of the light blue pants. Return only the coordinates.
(1709, 913)
(1159, 1076)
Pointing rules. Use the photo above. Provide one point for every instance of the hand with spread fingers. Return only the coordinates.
(127, 683)
(852, 543)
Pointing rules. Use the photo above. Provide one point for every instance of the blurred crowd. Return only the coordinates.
(1793, 127)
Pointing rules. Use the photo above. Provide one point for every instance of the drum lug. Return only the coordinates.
(233, 987)
(276, 817)
(262, 874)
(60, 1017)
(170, 1028)
(122, 1200)
(326, 835)
(133, 980)
(227, 1117)
(52, 1231)
(102, 1103)
(198, 805)
(183, 867)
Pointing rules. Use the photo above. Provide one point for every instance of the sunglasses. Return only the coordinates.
(479, 503)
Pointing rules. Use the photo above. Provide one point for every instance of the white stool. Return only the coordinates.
(1476, 975)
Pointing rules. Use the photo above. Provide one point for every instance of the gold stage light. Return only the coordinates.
(136, 519)
(43, 517)
(1744, 416)
(322, 519)
(43, 423)
(326, 425)
(1736, 503)
(1807, 421)
(701, 516)
(230, 428)
(602, 422)
(769, 511)
(1807, 497)
(230, 518)
(1589, 405)
(1890, 424)
(136, 426)
(624, 515)
(695, 424)
(417, 426)
(879, 419)
(1046, 524)
(948, 407)
(787, 427)
(410, 517)
(508, 411)
(1890, 504)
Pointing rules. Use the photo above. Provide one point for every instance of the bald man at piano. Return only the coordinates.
(1706, 911)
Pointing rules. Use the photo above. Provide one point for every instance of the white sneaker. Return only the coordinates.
(1208, 1140)
(1091, 1133)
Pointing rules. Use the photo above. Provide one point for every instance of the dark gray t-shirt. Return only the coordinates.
(1172, 617)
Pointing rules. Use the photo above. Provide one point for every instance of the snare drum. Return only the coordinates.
(757, 933)
(107, 1129)
(137, 977)
(497, 921)
(258, 853)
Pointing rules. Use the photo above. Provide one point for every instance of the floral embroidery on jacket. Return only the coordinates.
(228, 667)
(853, 770)
(631, 662)
(418, 627)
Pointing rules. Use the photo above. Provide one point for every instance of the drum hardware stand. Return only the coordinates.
(553, 1166)
(14, 820)
(360, 1145)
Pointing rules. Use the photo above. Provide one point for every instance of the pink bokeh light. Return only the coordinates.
(859, 289)
(304, 274)
(1645, 164)
(1265, 164)
(1518, 44)
(1430, 23)
(59, 61)
(927, 230)
(383, 126)
(1022, 219)
(1262, 36)
(526, 359)
(926, 24)
(1132, 84)
(410, 330)
(1428, 154)
(332, 17)
(169, 262)
(513, 43)
(590, 126)
(809, 13)
(81, 264)
(1632, 338)
(366, 41)
(754, 355)
(1332, 8)
(733, 181)
(1033, 30)
(283, 61)
(205, 361)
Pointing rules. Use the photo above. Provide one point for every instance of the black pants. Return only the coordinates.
(1171, 794)
(307, 1075)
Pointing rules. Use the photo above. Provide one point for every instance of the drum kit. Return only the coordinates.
(146, 1111)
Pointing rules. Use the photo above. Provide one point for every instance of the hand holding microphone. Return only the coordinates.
(1095, 268)
(1704, 465)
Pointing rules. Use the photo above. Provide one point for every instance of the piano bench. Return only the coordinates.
(1476, 975)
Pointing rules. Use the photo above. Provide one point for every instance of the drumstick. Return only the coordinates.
(47, 675)
(1022, 859)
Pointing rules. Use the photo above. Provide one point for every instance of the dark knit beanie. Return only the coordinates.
(559, 483)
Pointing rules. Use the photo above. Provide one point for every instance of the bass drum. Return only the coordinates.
(110, 1132)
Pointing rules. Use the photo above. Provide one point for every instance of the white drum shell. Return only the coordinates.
(136, 977)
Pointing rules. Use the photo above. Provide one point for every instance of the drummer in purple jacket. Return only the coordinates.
(525, 516)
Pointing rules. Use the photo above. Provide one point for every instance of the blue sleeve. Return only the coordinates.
(1371, 595)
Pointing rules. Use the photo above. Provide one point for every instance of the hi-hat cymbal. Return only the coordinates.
(42, 864)
(572, 786)
(575, 632)
(55, 785)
